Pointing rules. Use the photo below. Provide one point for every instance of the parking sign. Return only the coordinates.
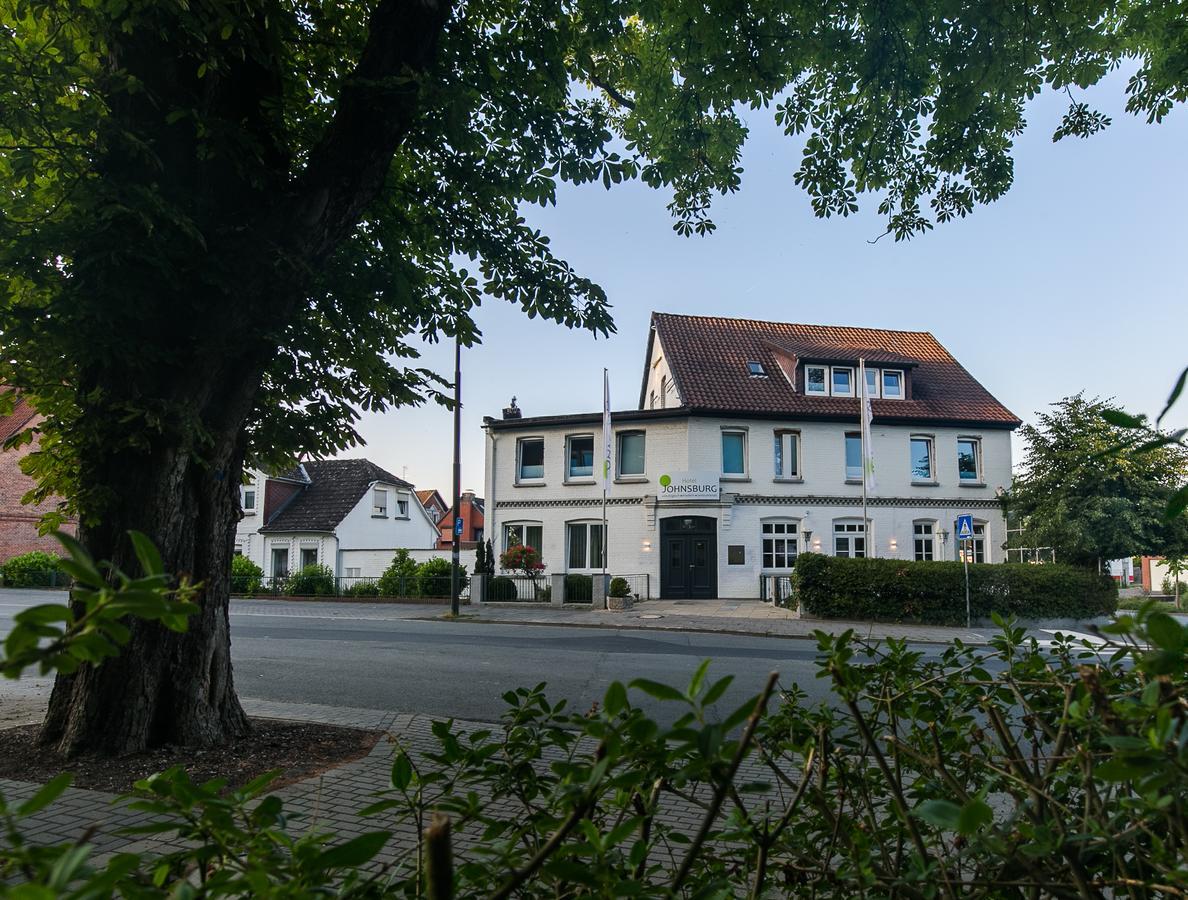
(965, 528)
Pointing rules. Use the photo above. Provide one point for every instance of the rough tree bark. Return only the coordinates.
(180, 486)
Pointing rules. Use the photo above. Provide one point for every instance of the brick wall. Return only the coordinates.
(18, 521)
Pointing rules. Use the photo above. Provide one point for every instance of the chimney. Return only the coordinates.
(512, 411)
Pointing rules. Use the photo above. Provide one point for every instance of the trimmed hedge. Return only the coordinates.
(500, 588)
(933, 593)
(34, 569)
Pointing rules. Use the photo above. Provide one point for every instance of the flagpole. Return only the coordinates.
(862, 437)
(605, 474)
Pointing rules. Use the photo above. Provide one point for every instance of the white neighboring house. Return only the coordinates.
(744, 451)
(346, 514)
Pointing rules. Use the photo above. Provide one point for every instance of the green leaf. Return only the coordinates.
(658, 690)
(44, 614)
(939, 813)
(402, 771)
(1173, 396)
(1123, 419)
(615, 700)
(717, 689)
(698, 678)
(1177, 503)
(354, 852)
(146, 552)
(48, 793)
(1165, 631)
(974, 816)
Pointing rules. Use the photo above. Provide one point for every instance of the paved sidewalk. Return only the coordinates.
(327, 803)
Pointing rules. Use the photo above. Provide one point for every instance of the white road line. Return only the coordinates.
(1094, 639)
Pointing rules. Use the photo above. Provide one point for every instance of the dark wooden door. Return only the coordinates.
(689, 558)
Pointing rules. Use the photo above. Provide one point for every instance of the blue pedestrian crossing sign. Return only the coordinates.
(965, 528)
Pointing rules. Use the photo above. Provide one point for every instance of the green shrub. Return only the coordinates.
(368, 588)
(246, 576)
(400, 578)
(579, 588)
(501, 588)
(544, 593)
(312, 581)
(619, 587)
(433, 577)
(34, 569)
(933, 593)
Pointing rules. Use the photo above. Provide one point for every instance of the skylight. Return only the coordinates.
(756, 369)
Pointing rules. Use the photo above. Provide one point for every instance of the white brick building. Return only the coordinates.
(744, 452)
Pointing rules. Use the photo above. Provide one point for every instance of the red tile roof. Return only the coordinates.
(708, 356)
(22, 414)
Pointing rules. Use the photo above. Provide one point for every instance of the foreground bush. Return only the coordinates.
(433, 577)
(897, 590)
(1008, 771)
(34, 569)
(400, 578)
(246, 576)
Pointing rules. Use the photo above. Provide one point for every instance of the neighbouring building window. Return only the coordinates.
(523, 534)
(734, 453)
(843, 381)
(814, 380)
(787, 454)
(922, 458)
(379, 502)
(239, 549)
(586, 545)
(924, 541)
(530, 455)
(309, 557)
(249, 499)
(631, 453)
(969, 459)
(280, 562)
(402, 508)
(849, 539)
(872, 382)
(892, 385)
(853, 456)
(779, 544)
(975, 550)
(354, 572)
(581, 456)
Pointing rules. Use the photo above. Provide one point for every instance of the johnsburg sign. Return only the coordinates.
(689, 486)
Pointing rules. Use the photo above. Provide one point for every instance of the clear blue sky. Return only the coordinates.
(1076, 280)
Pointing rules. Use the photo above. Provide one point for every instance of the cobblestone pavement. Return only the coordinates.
(329, 802)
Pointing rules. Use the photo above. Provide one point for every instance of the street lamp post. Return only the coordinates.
(454, 586)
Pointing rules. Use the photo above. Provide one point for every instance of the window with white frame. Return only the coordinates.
(924, 540)
(734, 453)
(849, 539)
(530, 459)
(815, 380)
(523, 534)
(973, 551)
(853, 456)
(402, 506)
(969, 460)
(872, 382)
(779, 544)
(280, 562)
(842, 381)
(585, 545)
(309, 557)
(249, 500)
(892, 384)
(579, 454)
(630, 458)
(353, 571)
(923, 466)
(787, 453)
(379, 502)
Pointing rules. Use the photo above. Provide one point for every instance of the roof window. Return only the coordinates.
(756, 369)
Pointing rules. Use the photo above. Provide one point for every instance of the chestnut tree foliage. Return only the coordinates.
(224, 223)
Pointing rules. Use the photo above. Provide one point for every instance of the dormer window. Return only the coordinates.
(814, 380)
(756, 369)
(843, 381)
(892, 384)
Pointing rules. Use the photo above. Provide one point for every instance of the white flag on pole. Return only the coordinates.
(868, 461)
(606, 430)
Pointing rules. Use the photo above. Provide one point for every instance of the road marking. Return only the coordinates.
(266, 615)
(1095, 640)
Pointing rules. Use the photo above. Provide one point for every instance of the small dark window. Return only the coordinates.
(736, 555)
(756, 368)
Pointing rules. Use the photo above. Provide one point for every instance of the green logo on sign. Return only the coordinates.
(665, 481)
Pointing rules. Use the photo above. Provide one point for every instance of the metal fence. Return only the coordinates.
(638, 586)
(522, 588)
(435, 587)
(38, 578)
(776, 589)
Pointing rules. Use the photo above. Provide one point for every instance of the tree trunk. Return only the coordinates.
(164, 687)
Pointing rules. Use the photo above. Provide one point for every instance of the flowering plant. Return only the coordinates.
(521, 558)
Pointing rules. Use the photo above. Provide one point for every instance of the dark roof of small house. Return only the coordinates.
(708, 357)
(22, 414)
(335, 486)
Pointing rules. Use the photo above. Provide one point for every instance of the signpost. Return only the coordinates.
(965, 535)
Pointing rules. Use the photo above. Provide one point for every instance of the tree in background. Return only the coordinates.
(1087, 491)
(223, 222)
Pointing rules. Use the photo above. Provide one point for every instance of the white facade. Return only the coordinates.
(360, 546)
(818, 500)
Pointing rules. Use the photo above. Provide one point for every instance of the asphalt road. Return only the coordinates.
(372, 657)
